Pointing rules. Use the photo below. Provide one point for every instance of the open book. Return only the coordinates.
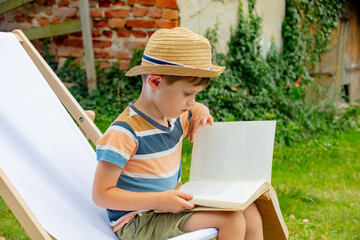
(231, 168)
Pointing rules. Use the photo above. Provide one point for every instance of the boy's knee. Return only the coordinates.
(253, 218)
(236, 218)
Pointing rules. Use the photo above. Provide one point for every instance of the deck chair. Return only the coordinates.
(46, 163)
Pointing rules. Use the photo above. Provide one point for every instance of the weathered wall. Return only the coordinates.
(199, 15)
(119, 26)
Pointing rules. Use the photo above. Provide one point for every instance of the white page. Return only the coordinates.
(43, 152)
(233, 151)
(237, 192)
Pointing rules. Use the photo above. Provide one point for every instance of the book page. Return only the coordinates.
(233, 151)
(235, 192)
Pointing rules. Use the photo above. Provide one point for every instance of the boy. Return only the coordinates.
(139, 156)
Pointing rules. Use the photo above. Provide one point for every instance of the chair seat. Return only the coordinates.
(203, 234)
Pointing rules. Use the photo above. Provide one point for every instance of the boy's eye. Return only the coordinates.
(186, 94)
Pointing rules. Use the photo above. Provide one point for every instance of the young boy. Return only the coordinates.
(139, 156)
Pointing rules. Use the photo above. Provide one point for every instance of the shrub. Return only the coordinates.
(252, 87)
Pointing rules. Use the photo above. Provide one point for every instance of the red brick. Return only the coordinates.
(100, 23)
(154, 12)
(170, 14)
(104, 4)
(95, 33)
(76, 52)
(101, 44)
(103, 64)
(103, 53)
(139, 11)
(107, 34)
(142, 2)
(43, 21)
(93, 3)
(40, 49)
(135, 44)
(48, 11)
(96, 13)
(77, 61)
(166, 4)
(77, 43)
(68, 19)
(76, 4)
(166, 24)
(124, 33)
(52, 50)
(117, 23)
(28, 19)
(76, 34)
(63, 3)
(118, 4)
(146, 2)
(24, 11)
(49, 2)
(124, 64)
(63, 51)
(150, 33)
(57, 20)
(58, 40)
(121, 13)
(64, 12)
(138, 33)
(123, 55)
(21, 19)
(143, 23)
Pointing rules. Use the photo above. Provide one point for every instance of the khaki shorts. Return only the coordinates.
(154, 226)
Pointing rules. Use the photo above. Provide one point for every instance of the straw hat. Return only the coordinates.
(177, 51)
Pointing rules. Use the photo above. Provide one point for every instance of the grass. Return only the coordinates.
(316, 179)
(319, 180)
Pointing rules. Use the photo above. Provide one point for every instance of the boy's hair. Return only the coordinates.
(170, 79)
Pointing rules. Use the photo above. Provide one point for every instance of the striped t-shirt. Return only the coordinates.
(148, 153)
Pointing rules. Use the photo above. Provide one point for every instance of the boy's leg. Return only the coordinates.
(254, 228)
(231, 225)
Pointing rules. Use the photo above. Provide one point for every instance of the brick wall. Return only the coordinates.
(119, 26)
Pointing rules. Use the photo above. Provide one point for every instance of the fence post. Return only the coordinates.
(88, 47)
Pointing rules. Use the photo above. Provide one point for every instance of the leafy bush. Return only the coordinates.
(114, 90)
(252, 87)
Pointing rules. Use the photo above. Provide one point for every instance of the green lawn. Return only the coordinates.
(317, 180)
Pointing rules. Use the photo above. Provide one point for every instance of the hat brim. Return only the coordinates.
(176, 71)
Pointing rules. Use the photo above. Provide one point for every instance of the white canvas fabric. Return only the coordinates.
(43, 152)
(45, 155)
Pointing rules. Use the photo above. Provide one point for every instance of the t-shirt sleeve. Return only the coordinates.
(117, 145)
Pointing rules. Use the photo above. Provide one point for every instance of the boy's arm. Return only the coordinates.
(200, 115)
(106, 195)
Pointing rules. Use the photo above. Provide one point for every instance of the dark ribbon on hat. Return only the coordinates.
(157, 61)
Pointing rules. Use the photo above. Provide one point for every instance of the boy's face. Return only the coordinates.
(175, 99)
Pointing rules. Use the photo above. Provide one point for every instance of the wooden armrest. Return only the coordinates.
(91, 115)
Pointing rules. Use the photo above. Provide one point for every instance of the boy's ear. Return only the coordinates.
(154, 80)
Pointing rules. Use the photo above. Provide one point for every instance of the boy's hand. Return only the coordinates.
(174, 201)
(200, 115)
